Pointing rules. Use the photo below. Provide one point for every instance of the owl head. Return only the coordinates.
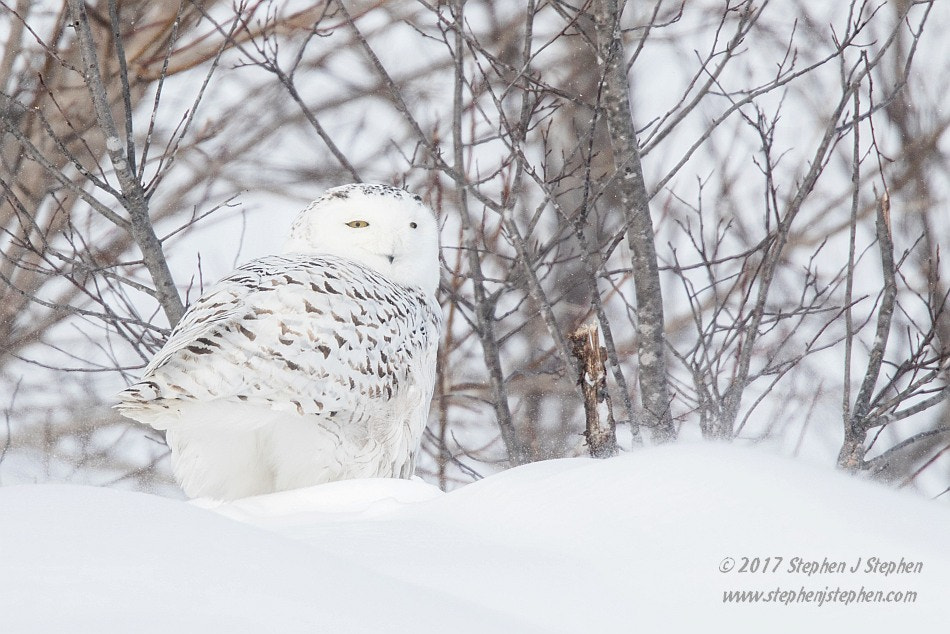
(385, 228)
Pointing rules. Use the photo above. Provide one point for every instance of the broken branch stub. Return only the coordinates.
(601, 437)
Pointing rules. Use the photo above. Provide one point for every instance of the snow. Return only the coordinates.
(634, 543)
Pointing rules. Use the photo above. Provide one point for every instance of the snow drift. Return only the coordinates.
(664, 538)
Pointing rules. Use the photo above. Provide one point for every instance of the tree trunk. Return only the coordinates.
(635, 201)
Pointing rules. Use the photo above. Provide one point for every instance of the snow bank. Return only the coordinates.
(637, 543)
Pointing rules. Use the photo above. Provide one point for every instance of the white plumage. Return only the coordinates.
(307, 367)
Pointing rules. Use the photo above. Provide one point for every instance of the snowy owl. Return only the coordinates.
(307, 367)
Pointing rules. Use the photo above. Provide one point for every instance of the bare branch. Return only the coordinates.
(133, 194)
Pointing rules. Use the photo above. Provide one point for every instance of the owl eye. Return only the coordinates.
(357, 224)
(413, 225)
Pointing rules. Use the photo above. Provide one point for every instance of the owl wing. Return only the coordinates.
(298, 333)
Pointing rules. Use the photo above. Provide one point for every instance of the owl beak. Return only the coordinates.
(390, 258)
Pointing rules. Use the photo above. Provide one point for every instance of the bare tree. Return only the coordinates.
(744, 199)
(635, 204)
